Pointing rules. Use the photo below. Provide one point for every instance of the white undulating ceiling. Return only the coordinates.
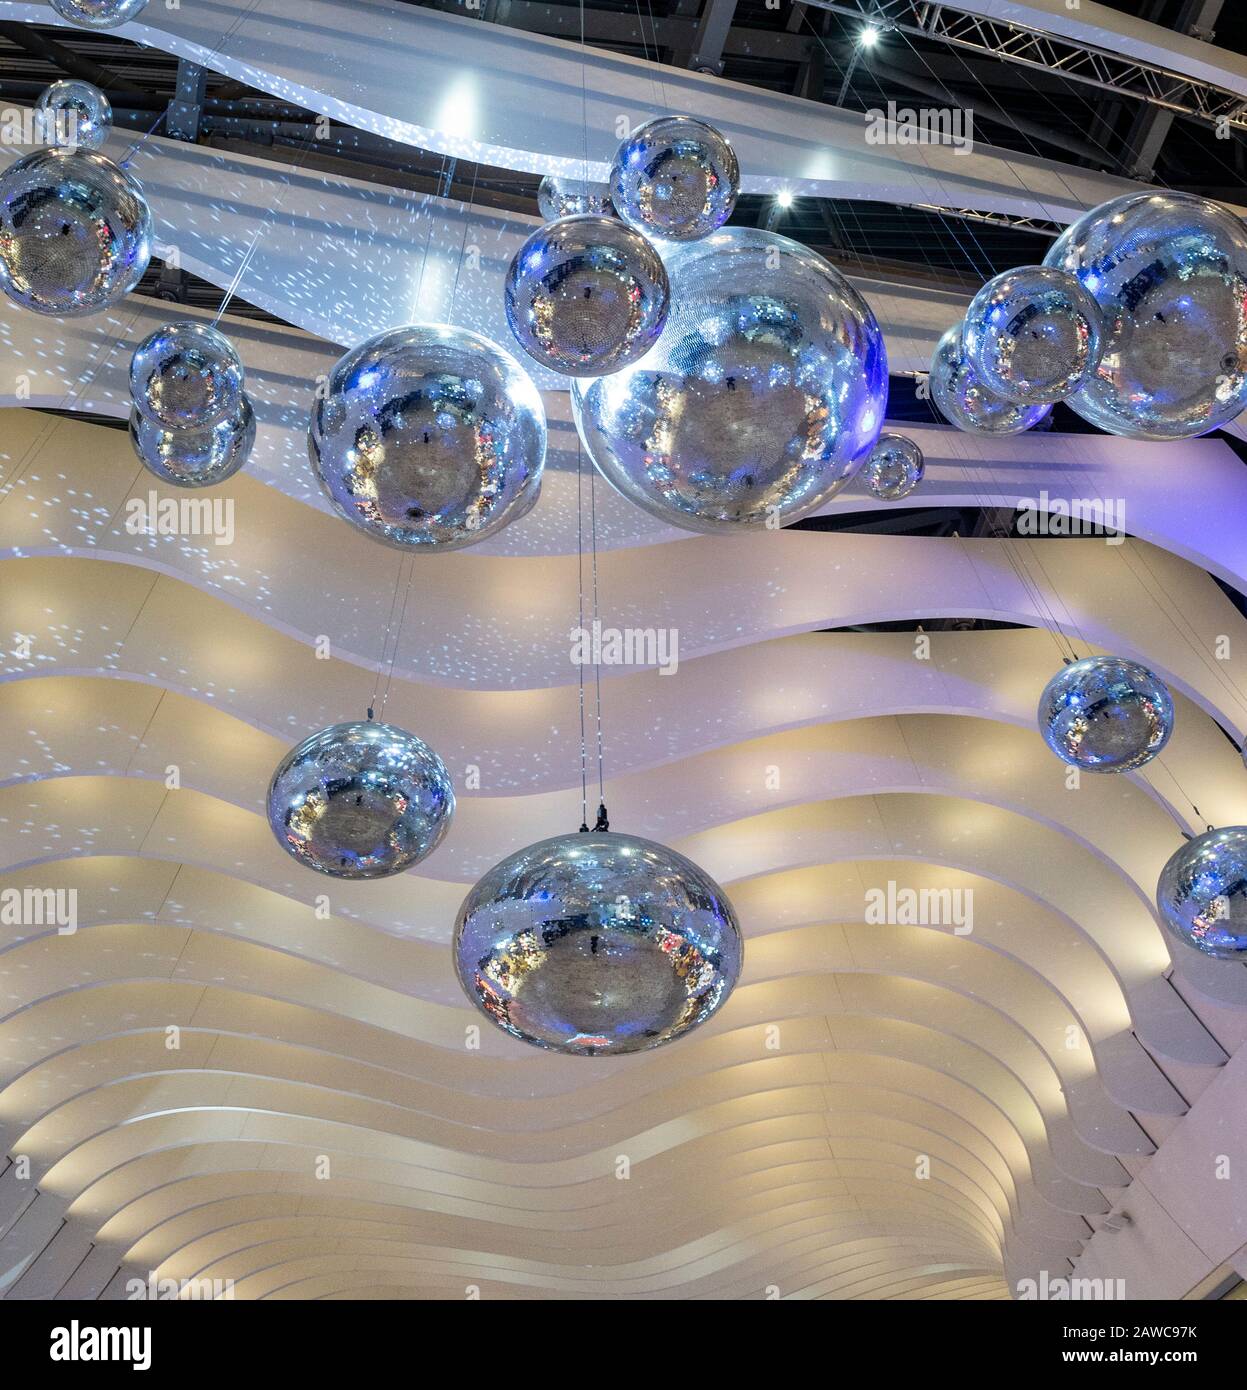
(221, 1075)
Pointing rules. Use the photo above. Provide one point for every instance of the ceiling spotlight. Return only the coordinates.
(784, 198)
(868, 37)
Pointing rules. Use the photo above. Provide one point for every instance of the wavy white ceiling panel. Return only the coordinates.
(617, 1101)
(519, 741)
(966, 758)
(485, 621)
(1022, 950)
(143, 733)
(1044, 471)
(302, 1034)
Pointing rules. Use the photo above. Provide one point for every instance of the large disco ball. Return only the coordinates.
(597, 943)
(429, 437)
(195, 457)
(360, 800)
(675, 179)
(1033, 335)
(1202, 893)
(964, 399)
(71, 112)
(98, 14)
(760, 399)
(586, 295)
(186, 376)
(559, 196)
(893, 468)
(1105, 714)
(1169, 272)
(75, 232)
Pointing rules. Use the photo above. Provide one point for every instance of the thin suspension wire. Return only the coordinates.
(659, 99)
(1024, 135)
(1019, 561)
(463, 243)
(662, 85)
(584, 96)
(1160, 598)
(398, 632)
(450, 317)
(151, 719)
(1032, 588)
(1016, 561)
(243, 265)
(389, 629)
(580, 666)
(1043, 610)
(134, 149)
(597, 665)
(385, 639)
(580, 548)
(1033, 548)
(133, 70)
(1018, 557)
(295, 167)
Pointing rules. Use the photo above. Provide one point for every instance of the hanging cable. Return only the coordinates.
(584, 97)
(580, 628)
(602, 821)
(467, 210)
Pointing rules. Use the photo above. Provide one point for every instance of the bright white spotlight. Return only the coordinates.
(784, 198)
(868, 37)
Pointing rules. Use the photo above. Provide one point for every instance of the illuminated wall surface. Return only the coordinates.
(962, 1043)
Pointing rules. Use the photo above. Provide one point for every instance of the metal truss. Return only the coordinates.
(1031, 48)
(997, 219)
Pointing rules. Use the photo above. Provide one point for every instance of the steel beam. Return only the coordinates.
(1152, 124)
(186, 108)
(69, 62)
(712, 28)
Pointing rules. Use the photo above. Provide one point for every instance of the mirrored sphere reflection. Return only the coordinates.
(1033, 335)
(675, 179)
(893, 468)
(559, 196)
(1105, 714)
(75, 232)
(186, 376)
(760, 399)
(195, 457)
(429, 437)
(964, 400)
(74, 113)
(1169, 272)
(1202, 893)
(597, 943)
(360, 800)
(98, 14)
(586, 295)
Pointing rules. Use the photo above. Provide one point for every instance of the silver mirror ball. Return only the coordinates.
(75, 232)
(761, 398)
(360, 799)
(586, 295)
(429, 438)
(597, 943)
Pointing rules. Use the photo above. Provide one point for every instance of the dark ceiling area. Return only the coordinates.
(814, 50)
